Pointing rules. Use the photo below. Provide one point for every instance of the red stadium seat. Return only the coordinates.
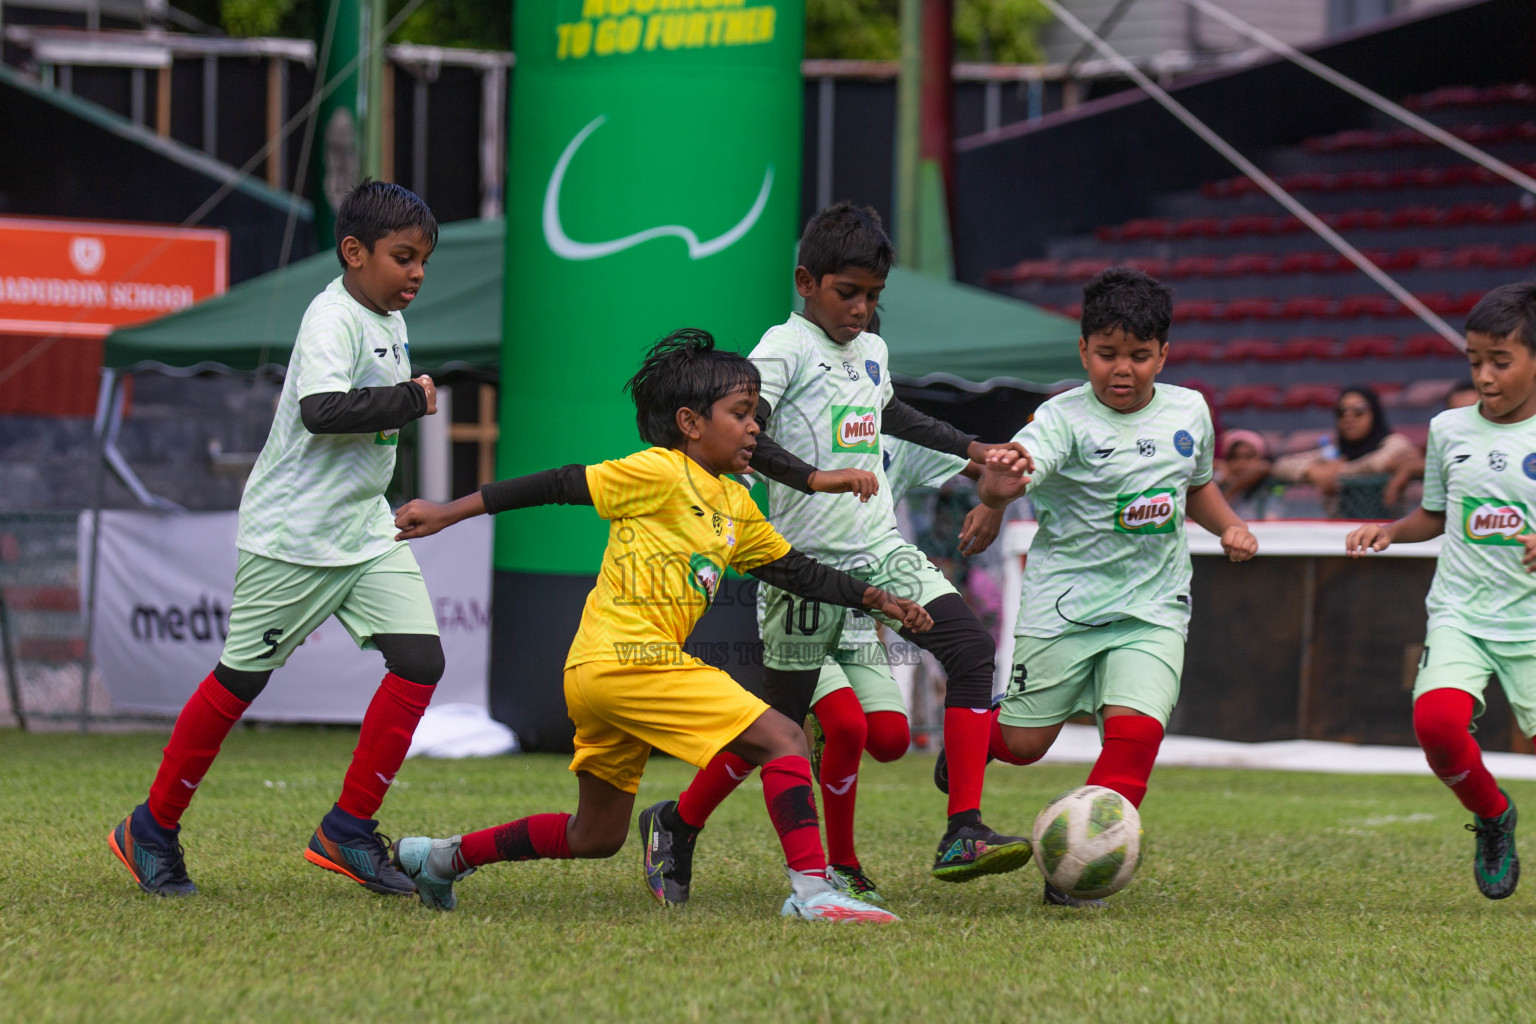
(1369, 346)
(1367, 305)
(1147, 227)
(1309, 347)
(1082, 270)
(1419, 346)
(1305, 306)
(1194, 266)
(1148, 264)
(1423, 394)
(1249, 263)
(1304, 396)
(1250, 396)
(1250, 309)
(1193, 351)
(1389, 391)
(1356, 220)
(1242, 349)
(1197, 309)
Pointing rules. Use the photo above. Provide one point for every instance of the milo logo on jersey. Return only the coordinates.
(854, 429)
(1149, 511)
(1493, 521)
(704, 576)
(387, 437)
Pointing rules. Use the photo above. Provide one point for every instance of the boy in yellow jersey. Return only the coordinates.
(677, 524)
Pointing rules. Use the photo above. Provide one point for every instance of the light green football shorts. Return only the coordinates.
(277, 604)
(867, 670)
(1454, 660)
(1129, 663)
(800, 634)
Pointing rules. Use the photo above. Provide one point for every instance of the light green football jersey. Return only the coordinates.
(827, 402)
(1109, 491)
(907, 466)
(318, 499)
(1482, 475)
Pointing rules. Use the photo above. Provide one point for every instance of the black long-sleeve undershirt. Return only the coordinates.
(566, 485)
(901, 420)
(806, 577)
(773, 460)
(363, 410)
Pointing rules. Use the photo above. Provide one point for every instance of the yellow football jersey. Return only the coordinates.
(674, 529)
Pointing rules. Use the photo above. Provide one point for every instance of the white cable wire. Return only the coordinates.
(1359, 91)
(1264, 181)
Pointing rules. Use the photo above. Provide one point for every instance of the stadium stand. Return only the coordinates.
(1271, 320)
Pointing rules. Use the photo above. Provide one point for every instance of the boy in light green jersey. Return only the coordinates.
(1113, 468)
(1479, 491)
(316, 538)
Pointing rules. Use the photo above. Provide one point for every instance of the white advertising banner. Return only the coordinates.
(162, 611)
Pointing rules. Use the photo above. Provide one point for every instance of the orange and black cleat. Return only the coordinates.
(353, 847)
(151, 854)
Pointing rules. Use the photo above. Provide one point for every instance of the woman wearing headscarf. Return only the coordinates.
(1362, 444)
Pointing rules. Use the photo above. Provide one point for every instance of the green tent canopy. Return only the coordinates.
(936, 330)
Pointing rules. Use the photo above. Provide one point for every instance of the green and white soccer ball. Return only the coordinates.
(1088, 842)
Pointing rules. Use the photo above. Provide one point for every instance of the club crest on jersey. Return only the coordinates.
(1184, 443)
(873, 369)
(704, 576)
(854, 430)
(1146, 447)
(1149, 511)
(387, 437)
(1528, 465)
(1494, 521)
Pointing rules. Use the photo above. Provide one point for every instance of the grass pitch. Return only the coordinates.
(1263, 896)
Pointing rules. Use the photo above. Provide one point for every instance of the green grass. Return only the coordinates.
(1264, 896)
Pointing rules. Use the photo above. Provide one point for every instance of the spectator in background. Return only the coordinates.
(1362, 445)
(1460, 396)
(1242, 468)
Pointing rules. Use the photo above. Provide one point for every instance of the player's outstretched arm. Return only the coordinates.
(367, 410)
(898, 419)
(1004, 476)
(1207, 506)
(1418, 525)
(780, 465)
(564, 486)
(808, 578)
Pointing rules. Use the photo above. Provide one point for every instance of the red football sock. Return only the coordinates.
(709, 788)
(787, 792)
(965, 748)
(842, 723)
(200, 729)
(1130, 748)
(998, 747)
(538, 836)
(1442, 721)
(381, 745)
(889, 735)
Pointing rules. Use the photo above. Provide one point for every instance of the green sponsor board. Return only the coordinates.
(653, 183)
(1150, 511)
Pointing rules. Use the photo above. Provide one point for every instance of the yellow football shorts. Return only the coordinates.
(689, 710)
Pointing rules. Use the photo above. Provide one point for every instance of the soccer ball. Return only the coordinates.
(1088, 842)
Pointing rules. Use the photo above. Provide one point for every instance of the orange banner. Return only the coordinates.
(85, 278)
